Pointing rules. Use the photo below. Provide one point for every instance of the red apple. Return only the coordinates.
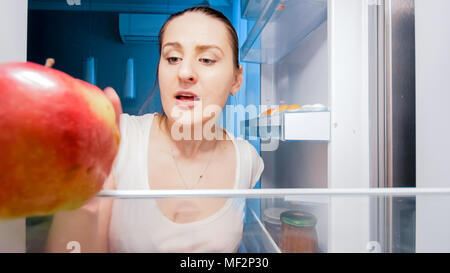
(58, 140)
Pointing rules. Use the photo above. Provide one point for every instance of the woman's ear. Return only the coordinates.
(237, 83)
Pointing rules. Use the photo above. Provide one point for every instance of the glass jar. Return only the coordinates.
(298, 232)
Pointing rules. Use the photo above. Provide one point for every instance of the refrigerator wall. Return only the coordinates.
(13, 48)
(433, 128)
(301, 78)
(348, 149)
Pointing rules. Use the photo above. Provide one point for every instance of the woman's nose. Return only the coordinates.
(186, 72)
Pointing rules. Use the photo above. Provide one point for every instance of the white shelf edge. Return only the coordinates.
(285, 192)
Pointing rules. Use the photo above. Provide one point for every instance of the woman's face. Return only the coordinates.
(196, 57)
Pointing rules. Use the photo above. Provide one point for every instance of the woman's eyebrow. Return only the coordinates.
(205, 47)
(198, 47)
(174, 44)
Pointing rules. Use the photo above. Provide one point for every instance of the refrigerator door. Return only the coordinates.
(13, 27)
(432, 60)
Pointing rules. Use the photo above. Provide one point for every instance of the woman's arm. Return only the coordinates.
(84, 229)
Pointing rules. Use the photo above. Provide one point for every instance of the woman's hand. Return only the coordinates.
(115, 100)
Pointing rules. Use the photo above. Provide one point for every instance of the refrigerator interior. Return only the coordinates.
(284, 65)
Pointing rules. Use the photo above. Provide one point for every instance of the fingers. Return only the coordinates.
(92, 205)
(115, 100)
(49, 62)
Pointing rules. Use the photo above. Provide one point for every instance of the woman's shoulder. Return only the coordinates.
(250, 160)
(125, 117)
(132, 130)
(245, 146)
(134, 124)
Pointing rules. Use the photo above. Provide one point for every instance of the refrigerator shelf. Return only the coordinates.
(290, 126)
(343, 223)
(251, 9)
(274, 33)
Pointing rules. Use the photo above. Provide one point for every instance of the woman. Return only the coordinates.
(197, 71)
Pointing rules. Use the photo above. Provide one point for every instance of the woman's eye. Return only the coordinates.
(172, 60)
(207, 61)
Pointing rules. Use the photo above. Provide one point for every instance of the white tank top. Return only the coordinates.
(138, 225)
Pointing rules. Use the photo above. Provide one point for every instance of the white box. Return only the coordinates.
(306, 126)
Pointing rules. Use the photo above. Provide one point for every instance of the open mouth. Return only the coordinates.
(186, 99)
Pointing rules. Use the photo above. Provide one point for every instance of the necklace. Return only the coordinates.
(201, 174)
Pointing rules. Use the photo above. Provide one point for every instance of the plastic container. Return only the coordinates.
(272, 222)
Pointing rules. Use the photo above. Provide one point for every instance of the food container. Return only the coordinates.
(282, 108)
(294, 108)
(271, 219)
(298, 232)
(314, 107)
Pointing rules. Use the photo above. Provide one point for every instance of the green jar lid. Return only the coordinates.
(298, 218)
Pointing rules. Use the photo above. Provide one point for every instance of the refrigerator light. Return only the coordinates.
(130, 88)
(89, 75)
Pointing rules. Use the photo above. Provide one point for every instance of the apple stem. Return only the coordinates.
(49, 62)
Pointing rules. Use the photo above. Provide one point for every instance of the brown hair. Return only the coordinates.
(207, 11)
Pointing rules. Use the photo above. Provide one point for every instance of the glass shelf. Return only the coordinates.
(280, 27)
(341, 221)
(251, 9)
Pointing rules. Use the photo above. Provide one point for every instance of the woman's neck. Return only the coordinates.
(190, 146)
